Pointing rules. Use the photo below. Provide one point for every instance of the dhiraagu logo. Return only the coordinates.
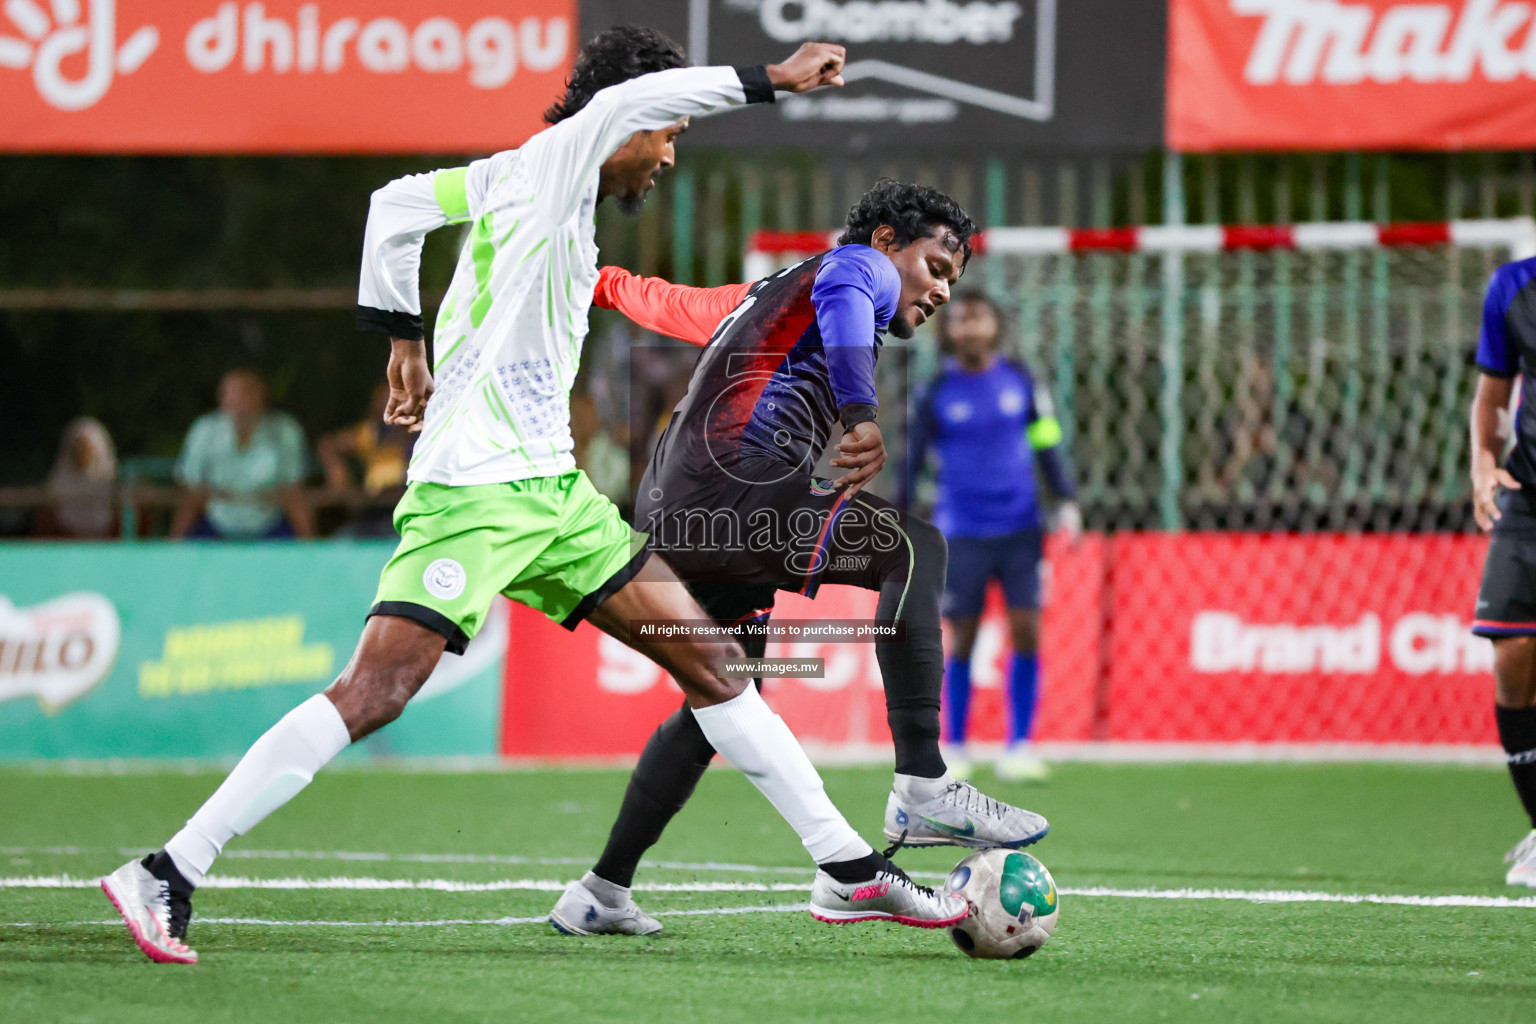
(46, 38)
(235, 655)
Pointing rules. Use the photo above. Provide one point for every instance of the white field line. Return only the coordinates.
(357, 856)
(551, 885)
(852, 755)
(1304, 896)
(785, 908)
(430, 884)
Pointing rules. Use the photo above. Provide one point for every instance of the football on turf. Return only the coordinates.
(1013, 901)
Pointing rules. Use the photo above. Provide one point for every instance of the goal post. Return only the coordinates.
(1269, 431)
(1313, 376)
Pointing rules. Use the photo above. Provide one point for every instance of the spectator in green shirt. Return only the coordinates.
(241, 468)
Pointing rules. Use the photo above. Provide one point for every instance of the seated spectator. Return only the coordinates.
(241, 468)
(372, 455)
(82, 482)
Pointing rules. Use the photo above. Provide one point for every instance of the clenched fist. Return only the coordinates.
(810, 67)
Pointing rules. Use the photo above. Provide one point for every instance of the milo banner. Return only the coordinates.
(193, 650)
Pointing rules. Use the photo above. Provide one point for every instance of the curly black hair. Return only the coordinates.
(912, 211)
(613, 56)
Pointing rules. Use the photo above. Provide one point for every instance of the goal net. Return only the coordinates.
(1268, 427)
(1312, 377)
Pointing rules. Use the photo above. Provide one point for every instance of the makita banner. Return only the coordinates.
(1351, 74)
(279, 76)
(1181, 638)
(932, 74)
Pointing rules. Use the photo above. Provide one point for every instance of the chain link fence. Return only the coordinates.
(1281, 387)
(1295, 390)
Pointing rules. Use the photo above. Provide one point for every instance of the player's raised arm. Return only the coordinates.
(675, 310)
(562, 158)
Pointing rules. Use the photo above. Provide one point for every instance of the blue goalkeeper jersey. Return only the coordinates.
(989, 430)
(1507, 348)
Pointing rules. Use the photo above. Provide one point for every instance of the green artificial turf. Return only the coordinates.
(1353, 829)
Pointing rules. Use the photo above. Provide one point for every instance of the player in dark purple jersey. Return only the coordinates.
(1502, 501)
(731, 503)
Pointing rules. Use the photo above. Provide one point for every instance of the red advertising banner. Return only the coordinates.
(584, 694)
(1187, 638)
(1330, 638)
(1351, 74)
(279, 76)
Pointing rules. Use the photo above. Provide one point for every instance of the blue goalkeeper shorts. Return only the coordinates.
(1014, 560)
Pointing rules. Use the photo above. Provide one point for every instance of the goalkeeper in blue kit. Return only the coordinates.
(991, 424)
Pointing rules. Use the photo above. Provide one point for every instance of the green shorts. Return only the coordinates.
(553, 543)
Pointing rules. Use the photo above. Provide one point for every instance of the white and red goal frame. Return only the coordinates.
(1162, 604)
(767, 250)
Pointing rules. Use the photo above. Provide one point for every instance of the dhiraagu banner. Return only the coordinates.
(192, 650)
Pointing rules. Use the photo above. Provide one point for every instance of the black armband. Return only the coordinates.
(756, 84)
(396, 325)
(855, 413)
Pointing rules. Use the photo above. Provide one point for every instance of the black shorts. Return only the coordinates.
(769, 524)
(734, 604)
(1506, 601)
(1014, 560)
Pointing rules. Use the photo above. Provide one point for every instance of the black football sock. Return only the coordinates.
(674, 759)
(164, 868)
(1517, 732)
(910, 579)
(161, 866)
(912, 669)
(913, 673)
(851, 872)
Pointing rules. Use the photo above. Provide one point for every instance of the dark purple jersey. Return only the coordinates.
(1507, 348)
(795, 357)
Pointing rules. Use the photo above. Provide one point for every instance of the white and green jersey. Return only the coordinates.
(509, 334)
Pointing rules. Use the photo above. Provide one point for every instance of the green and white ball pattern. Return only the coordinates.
(1014, 904)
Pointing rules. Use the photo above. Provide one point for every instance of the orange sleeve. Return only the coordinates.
(676, 310)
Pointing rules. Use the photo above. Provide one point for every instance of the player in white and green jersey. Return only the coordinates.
(495, 503)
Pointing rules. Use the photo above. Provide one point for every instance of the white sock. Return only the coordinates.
(271, 773)
(914, 789)
(609, 894)
(757, 743)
